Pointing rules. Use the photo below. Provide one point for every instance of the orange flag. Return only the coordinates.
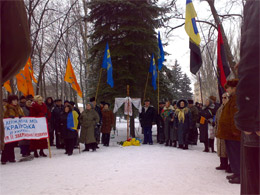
(7, 86)
(29, 65)
(71, 78)
(28, 79)
(21, 83)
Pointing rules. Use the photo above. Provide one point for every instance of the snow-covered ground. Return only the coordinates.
(119, 170)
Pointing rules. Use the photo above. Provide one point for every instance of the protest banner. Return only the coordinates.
(26, 128)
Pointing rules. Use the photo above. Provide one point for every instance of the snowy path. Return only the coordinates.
(119, 170)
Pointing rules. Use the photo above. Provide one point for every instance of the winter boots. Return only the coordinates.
(223, 164)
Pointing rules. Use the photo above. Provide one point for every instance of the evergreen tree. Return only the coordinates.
(129, 28)
(185, 87)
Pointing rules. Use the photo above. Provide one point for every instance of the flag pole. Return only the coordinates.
(200, 89)
(158, 92)
(100, 74)
(146, 86)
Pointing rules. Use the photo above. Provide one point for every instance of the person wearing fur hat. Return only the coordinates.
(183, 122)
(107, 124)
(193, 135)
(12, 110)
(206, 118)
(228, 131)
(167, 114)
(88, 120)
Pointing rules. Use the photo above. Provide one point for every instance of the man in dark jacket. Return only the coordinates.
(160, 124)
(247, 118)
(55, 120)
(147, 119)
(193, 133)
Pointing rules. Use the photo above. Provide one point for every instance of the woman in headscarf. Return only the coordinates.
(88, 120)
(12, 110)
(183, 122)
(38, 109)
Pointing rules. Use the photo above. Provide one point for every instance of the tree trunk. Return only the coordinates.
(132, 125)
(229, 55)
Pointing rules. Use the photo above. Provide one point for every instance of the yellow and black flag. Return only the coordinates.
(192, 30)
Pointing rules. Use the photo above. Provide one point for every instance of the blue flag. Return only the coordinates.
(160, 53)
(153, 70)
(107, 64)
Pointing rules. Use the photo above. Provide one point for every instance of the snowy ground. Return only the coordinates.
(119, 170)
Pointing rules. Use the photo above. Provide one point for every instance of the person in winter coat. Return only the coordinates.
(183, 122)
(221, 146)
(57, 129)
(25, 144)
(247, 118)
(107, 124)
(50, 105)
(97, 128)
(228, 131)
(168, 119)
(206, 117)
(12, 110)
(193, 135)
(147, 118)
(69, 126)
(88, 120)
(38, 109)
(160, 124)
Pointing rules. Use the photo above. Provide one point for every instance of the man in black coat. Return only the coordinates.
(160, 124)
(247, 119)
(55, 120)
(193, 133)
(147, 119)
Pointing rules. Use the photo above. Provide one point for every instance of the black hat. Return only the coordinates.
(66, 101)
(72, 103)
(29, 97)
(11, 98)
(190, 101)
(22, 97)
(92, 99)
(179, 103)
(106, 103)
(58, 100)
(147, 100)
(103, 102)
(162, 102)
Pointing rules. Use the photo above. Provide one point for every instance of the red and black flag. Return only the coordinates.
(223, 67)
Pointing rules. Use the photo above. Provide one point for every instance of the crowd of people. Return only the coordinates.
(183, 123)
(179, 124)
(64, 122)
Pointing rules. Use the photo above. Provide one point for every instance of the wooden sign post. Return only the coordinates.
(128, 106)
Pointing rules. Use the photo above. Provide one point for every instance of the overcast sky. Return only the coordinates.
(178, 44)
